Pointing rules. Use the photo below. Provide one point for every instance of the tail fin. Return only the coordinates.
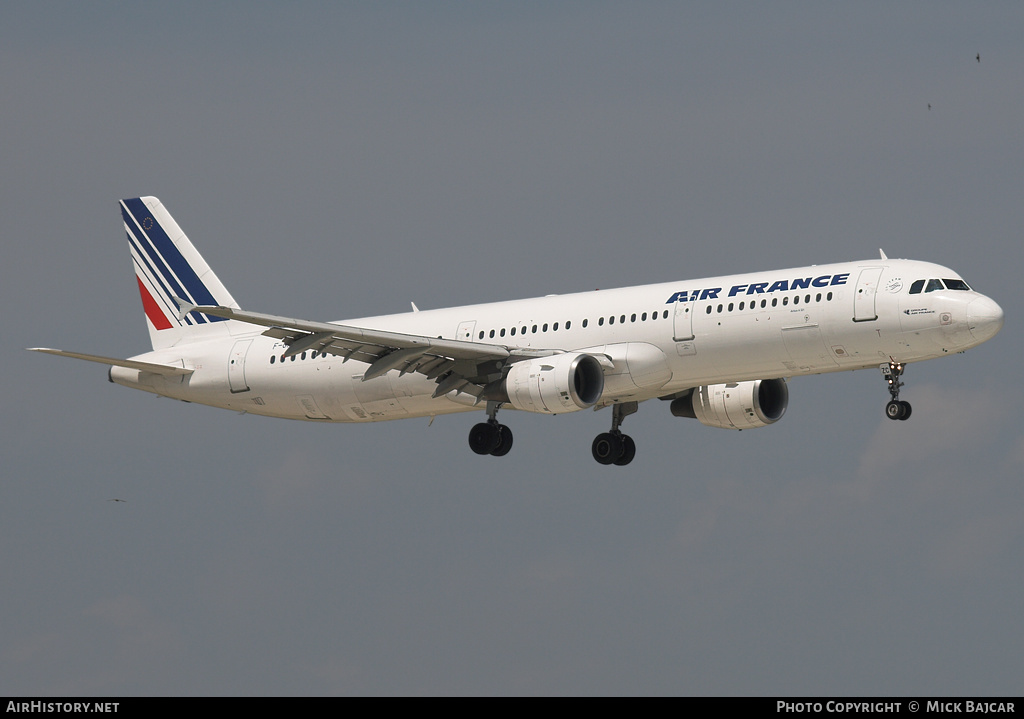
(168, 266)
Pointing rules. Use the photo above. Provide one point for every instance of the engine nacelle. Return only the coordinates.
(736, 405)
(556, 384)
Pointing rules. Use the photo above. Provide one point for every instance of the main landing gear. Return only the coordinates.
(895, 408)
(490, 437)
(615, 447)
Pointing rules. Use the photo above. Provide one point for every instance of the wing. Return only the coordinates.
(455, 364)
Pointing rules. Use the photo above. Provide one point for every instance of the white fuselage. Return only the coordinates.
(661, 339)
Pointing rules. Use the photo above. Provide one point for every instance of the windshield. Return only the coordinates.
(933, 285)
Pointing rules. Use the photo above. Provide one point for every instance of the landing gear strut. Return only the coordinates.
(490, 437)
(615, 447)
(895, 408)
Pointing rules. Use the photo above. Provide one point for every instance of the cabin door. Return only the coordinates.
(236, 366)
(864, 299)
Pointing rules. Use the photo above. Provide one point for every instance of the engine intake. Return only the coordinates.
(736, 405)
(556, 384)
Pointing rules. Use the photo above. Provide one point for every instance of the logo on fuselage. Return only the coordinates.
(760, 288)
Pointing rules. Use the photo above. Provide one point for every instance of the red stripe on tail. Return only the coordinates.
(153, 311)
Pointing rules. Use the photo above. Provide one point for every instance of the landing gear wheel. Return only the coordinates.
(485, 437)
(607, 448)
(906, 410)
(894, 410)
(490, 437)
(628, 451)
(615, 447)
(504, 441)
(898, 409)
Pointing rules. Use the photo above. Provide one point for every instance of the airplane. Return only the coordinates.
(719, 349)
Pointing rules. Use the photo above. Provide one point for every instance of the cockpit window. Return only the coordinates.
(934, 285)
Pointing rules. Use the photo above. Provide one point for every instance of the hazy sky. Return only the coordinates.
(340, 160)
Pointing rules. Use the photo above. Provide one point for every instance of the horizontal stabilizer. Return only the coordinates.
(162, 369)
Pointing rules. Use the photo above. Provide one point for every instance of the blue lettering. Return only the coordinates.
(759, 288)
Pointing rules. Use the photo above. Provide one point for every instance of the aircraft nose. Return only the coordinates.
(984, 318)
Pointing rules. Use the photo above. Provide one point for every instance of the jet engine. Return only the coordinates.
(556, 384)
(735, 405)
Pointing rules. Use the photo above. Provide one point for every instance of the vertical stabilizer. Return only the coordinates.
(168, 266)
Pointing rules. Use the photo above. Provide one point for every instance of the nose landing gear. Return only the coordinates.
(895, 408)
(614, 447)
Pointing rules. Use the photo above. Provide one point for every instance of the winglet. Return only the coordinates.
(184, 307)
